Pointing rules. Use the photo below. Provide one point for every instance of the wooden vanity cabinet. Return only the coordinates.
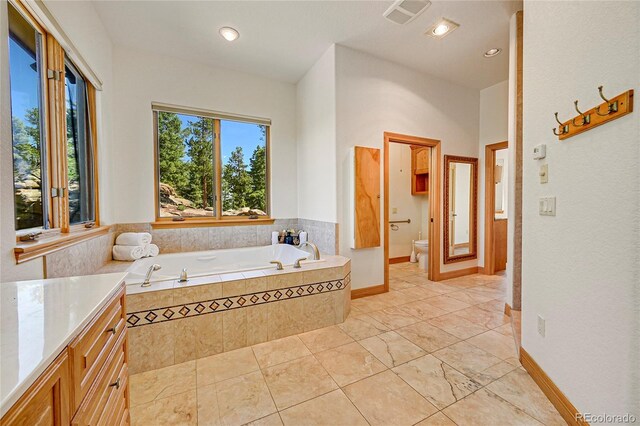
(88, 383)
(420, 160)
(47, 400)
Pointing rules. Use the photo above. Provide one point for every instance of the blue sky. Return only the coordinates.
(24, 81)
(233, 134)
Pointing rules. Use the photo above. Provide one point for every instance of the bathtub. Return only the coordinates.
(202, 263)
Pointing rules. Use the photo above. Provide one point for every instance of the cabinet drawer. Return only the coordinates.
(89, 351)
(107, 399)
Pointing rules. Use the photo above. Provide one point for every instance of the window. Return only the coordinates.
(210, 166)
(53, 131)
(244, 168)
(79, 148)
(27, 123)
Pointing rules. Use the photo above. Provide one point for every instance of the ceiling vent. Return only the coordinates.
(404, 11)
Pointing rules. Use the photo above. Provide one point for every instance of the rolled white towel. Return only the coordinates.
(128, 253)
(303, 237)
(151, 250)
(133, 239)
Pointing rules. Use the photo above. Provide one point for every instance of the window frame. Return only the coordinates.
(217, 219)
(58, 233)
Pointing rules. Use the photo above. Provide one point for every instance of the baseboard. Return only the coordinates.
(367, 291)
(566, 409)
(401, 259)
(507, 309)
(458, 273)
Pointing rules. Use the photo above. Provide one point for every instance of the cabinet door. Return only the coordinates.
(422, 160)
(46, 402)
(367, 197)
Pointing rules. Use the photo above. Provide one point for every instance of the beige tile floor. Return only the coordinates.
(425, 353)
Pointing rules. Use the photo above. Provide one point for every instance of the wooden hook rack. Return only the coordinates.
(596, 116)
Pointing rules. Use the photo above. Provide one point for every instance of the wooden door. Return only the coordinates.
(500, 244)
(367, 197)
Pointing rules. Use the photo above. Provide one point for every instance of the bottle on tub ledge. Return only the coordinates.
(287, 236)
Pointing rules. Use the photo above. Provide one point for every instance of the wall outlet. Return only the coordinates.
(541, 326)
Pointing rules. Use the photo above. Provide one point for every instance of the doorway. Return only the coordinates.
(495, 213)
(425, 180)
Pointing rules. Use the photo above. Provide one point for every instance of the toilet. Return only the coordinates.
(422, 249)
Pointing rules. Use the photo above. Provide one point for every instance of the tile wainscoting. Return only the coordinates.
(84, 258)
(323, 234)
(168, 327)
(89, 256)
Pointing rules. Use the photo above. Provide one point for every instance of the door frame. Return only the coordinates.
(489, 204)
(434, 201)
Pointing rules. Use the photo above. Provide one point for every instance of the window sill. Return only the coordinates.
(209, 223)
(49, 244)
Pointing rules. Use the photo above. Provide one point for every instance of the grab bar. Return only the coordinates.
(400, 221)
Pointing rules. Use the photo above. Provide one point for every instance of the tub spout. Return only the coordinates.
(278, 264)
(316, 252)
(147, 278)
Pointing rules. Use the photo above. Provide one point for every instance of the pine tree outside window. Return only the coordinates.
(210, 166)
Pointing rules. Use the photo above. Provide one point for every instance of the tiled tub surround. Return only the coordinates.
(170, 323)
(84, 258)
(91, 256)
(323, 234)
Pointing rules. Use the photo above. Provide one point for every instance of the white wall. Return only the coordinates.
(142, 78)
(494, 115)
(407, 206)
(581, 268)
(316, 140)
(374, 96)
(82, 25)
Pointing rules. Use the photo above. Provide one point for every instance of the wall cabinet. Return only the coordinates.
(420, 161)
(88, 382)
(366, 197)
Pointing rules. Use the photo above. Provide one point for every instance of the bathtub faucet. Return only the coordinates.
(316, 252)
(183, 276)
(147, 278)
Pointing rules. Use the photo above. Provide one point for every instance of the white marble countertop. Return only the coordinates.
(40, 318)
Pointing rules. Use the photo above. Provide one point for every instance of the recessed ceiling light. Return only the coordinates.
(492, 52)
(442, 28)
(229, 34)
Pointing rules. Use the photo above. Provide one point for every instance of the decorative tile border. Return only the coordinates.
(187, 310)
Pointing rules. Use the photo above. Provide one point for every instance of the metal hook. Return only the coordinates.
(611, 106)
(563, 128)
(586, 118)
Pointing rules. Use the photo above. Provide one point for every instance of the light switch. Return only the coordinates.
(544, 173)
(547, 206)
(394, 210)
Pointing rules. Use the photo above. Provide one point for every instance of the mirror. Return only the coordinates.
(460, 208)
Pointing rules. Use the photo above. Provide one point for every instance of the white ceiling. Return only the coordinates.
(283, 39)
